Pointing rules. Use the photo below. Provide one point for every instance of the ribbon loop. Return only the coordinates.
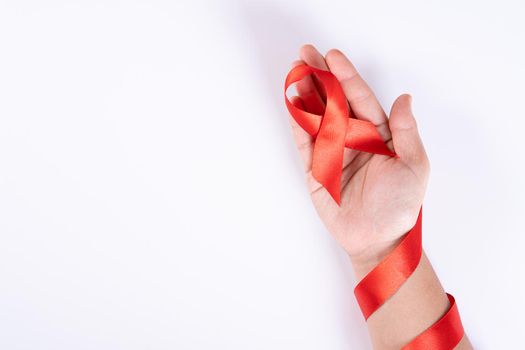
(333, 131)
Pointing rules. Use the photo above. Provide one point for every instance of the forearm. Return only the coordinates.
(417, 305)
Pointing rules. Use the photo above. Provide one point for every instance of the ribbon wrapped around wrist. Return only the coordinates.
(389, 275)
(332, 132)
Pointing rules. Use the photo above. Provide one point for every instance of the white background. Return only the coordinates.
(151, 196)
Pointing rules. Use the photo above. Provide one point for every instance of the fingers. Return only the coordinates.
(311, 92)
(303, 140)
(405, 136)
(362, 100)
(310, 99)
(313, 58)
(307, 90)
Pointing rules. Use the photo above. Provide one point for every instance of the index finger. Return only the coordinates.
(362, 100)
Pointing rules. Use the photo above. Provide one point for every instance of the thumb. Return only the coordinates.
(405, 136)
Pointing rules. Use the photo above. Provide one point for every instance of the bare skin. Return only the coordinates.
(380, 200)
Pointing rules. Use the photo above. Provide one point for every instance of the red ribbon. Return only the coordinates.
(333, 131)
(390, 274)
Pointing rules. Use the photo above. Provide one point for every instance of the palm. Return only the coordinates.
(381, 195)
(373, 205)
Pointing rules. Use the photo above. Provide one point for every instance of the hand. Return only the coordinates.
(381, 196)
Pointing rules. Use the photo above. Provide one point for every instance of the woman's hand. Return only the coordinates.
(381, 196)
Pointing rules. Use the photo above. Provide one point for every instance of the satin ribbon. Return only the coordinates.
(333, 131)
(390, 274)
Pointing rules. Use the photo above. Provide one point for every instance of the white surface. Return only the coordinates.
(151, 196)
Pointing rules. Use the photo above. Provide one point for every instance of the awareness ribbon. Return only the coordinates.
(333, 131)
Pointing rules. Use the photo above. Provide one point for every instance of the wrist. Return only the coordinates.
(366, 260)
